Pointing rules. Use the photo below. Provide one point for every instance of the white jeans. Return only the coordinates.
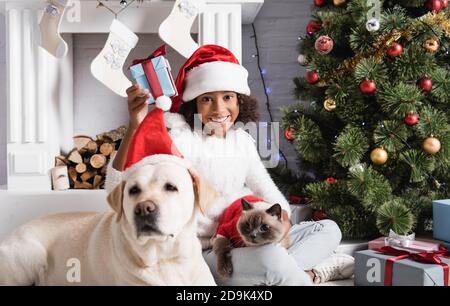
(272, 265)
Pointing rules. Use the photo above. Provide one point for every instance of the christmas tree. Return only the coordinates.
(374, 121)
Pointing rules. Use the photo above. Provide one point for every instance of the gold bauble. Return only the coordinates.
(379, 156)
(339, 2)
(329, 104)
(431, 145)
(432, 45)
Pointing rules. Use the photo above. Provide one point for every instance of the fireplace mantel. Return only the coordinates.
(40, 87)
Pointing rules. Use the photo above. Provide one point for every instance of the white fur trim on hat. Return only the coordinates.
(215, 76)
(156, 159)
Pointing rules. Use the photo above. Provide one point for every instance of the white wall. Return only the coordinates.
(2, 101)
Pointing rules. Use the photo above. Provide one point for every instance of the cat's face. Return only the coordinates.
(260, 226)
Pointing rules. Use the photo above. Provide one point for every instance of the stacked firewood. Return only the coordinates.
(85, 166)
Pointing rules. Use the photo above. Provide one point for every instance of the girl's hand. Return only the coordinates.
(137, 105)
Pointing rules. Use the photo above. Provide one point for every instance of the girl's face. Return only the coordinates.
(218, 111)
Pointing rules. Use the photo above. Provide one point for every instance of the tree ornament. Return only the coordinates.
(329, 104)
(295, 199)
(368, 87)
(320, 3)
(339, 2)
(395, 50)
(434, 5)
(324, 44)
(312, 77)
(313, 26)
(431, 145)
(425, 84)
(379, 156)
(318, 215)
(411, 119)
(437, 184)
(331, 180)
(302, 60)
(444, 4)
(432, 45)
(289, 134)
(373, 25)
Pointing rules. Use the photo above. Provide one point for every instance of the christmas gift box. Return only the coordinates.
(404, 241)
(389, 266)
(441, 220)
(154, 73)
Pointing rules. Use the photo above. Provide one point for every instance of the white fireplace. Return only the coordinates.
(41, 90)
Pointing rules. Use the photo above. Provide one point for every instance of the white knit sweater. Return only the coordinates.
(232, 165)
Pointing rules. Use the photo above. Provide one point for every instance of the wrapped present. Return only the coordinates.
(404, 241)
(154, 73)
(389, 266)
(441, 217)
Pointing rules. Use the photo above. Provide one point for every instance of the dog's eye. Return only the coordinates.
(170, 187)
(264, 228)
(134, 190)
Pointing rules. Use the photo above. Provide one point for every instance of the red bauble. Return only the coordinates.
(395, 50)
(289, 134)
(312, 77)
(411, 119)
(425, 84)
(324, 44)
(318, 215)
(320, 2)
(368, 87)
(444, 4)
(313, 26)
(434, 5)
(331, 180)
(294, 199)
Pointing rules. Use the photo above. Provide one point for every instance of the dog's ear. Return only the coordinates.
(205, 194)
(115, 199)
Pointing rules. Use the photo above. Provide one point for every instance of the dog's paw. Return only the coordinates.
(225, 267)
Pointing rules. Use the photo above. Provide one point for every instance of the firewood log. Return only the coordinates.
(75, 157)
(88, 175)
(60, 161)
(80, 141)
(73, 174)
(106, 148)
(81, 168)
(83, 185)
(97, 161)
(97, 181)
(92, 147)
(60, 178)
(114, 135)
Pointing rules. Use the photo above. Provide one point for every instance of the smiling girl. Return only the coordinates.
(213, 91)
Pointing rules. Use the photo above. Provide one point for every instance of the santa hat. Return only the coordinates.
(210, 68)
(152, 144)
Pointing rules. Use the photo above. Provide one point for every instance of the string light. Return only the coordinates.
(267, 90)
(123, 3)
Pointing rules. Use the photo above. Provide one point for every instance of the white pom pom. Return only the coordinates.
(164, 103)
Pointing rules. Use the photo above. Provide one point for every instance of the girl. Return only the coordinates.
(213, 92)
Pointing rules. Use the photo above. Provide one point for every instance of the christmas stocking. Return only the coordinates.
(50, 39)
(175, 30)
(107, 67)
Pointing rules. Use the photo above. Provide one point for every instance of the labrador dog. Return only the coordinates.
(148, 238)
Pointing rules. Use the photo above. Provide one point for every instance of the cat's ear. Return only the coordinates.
(275, 210)
(246, 205)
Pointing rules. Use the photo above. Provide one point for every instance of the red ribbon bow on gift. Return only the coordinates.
(158, 52)
(150, 73)
(424, 257)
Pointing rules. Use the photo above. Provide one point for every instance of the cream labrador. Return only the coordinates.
(149, 238)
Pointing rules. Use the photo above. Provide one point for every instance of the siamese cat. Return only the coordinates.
(248, 225)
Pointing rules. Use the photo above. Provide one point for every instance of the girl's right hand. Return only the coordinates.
(137, 105)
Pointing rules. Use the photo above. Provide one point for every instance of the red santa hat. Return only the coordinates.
(152, 144)
(210, 68)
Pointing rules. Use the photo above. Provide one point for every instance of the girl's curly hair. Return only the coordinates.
(248, 110)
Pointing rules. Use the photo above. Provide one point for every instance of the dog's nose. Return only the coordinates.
(145, 208)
